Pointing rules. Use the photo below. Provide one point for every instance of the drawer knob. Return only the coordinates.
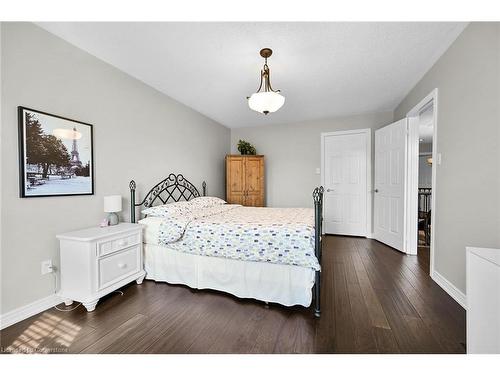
(122, 265)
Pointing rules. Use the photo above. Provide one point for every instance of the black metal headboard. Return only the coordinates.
(172, 189)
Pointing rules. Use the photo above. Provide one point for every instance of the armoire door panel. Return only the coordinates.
(235, 180)
(253, 200)
(236, 171)
(253, 174)
(237, 199)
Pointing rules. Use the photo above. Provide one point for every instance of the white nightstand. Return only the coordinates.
(97, 261)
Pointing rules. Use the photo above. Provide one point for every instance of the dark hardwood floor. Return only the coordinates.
(374, 300)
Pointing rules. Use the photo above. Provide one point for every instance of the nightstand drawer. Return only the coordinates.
(118, 244)
(119, 265)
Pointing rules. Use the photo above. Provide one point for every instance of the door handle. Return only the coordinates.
(329, 190)
(376, 190)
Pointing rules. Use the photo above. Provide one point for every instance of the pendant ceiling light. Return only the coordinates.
(266, 100)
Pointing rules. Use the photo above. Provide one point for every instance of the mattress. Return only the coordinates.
(269, 235)
(279, 283)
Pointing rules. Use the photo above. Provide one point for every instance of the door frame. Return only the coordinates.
(369, 187)
(412, 203)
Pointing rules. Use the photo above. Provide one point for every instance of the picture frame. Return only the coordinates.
(55, 155)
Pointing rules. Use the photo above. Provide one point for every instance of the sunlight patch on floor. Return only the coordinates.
(47, 334)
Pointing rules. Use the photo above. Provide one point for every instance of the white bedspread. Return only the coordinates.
(272, 235)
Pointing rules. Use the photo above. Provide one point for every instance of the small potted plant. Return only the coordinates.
(246, 148)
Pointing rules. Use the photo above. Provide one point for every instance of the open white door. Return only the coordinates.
(390, 184)
(345, 157)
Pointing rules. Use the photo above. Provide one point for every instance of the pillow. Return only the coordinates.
(205, 202)
(169, 209)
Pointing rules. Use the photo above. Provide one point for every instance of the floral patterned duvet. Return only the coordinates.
(274, 235)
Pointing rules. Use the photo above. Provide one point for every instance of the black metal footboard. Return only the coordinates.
(318, 230)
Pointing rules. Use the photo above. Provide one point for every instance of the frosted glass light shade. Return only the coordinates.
(266, 102)
(113, 203)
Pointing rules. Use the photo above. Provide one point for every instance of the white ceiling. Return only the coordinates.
(323, 69)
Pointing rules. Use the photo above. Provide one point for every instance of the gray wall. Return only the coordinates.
(293, 152)
(138, 133)
(468, 180)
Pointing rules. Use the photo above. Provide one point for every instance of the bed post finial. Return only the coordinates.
(318, 221)
(204, 188)
(132, 201)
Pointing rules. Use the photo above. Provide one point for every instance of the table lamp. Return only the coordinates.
(112, 205)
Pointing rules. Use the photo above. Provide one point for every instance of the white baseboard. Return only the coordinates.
(449, 288)
(24, 312)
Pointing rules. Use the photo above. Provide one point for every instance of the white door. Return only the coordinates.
(344, 178)
(390, 184)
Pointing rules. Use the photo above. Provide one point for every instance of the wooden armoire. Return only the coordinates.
(245, 180)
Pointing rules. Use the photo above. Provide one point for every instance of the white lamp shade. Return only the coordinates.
(266, 101)
(113, 203)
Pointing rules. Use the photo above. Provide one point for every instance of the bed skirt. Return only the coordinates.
(268, 282)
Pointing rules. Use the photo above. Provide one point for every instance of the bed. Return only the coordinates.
(268, 254)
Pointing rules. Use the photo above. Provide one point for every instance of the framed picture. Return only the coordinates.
(55, 155)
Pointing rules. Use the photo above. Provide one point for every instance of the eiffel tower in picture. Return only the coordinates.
(75, 155)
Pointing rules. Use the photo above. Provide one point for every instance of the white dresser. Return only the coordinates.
(97, 261)
(483, 300)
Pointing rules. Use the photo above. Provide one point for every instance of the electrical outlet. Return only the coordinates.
(46, 267)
